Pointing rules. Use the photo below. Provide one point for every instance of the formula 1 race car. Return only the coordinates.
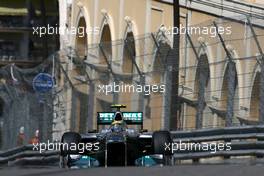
(116, 145)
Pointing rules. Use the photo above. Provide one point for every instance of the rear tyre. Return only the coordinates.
(159, 139)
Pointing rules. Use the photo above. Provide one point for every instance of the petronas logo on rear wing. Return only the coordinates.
(131, 118)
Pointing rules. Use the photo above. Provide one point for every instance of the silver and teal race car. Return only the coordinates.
(116, 144)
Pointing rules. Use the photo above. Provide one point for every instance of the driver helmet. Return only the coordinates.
(118, 118)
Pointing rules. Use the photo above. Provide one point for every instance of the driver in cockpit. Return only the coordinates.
(118, 120)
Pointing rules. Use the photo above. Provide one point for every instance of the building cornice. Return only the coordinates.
(230, 9)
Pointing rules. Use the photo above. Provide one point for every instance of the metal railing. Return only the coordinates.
(244, 141)
(27, 155)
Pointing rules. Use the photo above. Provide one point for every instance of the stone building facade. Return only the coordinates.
(123, 41)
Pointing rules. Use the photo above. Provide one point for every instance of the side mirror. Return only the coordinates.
(144, 131)
(92, 131)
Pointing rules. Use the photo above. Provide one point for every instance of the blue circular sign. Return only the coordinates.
(43, 82)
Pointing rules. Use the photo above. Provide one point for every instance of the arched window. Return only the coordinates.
(159, 64)
(106, 43)
(224, 94)
(202, 92)
(129, 53)
(105, 51)
(255, 97)
(81, 40)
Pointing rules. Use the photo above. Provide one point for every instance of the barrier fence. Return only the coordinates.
(244, 141)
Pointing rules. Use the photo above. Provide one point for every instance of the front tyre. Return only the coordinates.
(159, 141)
(68, 139)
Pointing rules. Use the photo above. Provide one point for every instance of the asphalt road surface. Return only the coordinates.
(180, 170)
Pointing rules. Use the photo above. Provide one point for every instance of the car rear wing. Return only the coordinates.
(131, 118)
